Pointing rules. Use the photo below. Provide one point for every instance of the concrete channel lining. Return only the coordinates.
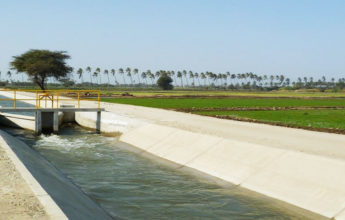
(59, 196)
(53, 211)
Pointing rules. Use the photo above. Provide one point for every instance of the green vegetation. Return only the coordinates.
(331, 119)
(164, 82)
(186, 103)
(132, 79)
(40, 65)
(193, 93)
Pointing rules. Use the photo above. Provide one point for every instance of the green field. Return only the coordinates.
(331, 120)
(148, 93)
(186, 103)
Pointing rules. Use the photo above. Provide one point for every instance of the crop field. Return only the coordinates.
(212, 103)
(313, 112)
(213, 93)
(319, 119)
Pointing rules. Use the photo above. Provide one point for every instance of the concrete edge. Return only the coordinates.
(51, 208)
(71, 199)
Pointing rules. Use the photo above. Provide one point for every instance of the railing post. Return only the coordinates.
(37, 99)
(78, 99)
(15, 99)
(99, 99)
(57, 99)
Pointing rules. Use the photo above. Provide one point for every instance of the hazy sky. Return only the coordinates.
(292, 37)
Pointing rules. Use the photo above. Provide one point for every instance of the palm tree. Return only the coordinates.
(144, 76)
(233, 77)
(9, 75)
(88, 69)
(135, 72)
(196, 75)
(151, 75)
(203, 77)
(271, 80)
(98, 70)
(191, 75)
(172, 73)
(113, 73)
(95, 74)
(80, 74)
(128, 71)
(179, 75)
(184, 72)
(106, 72)
(123, 76)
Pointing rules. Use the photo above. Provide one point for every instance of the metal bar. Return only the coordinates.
(57, 100)
(54, 96)
(52, 101)
(36, 99)
(99, 99)
(78, 99)
(14, 99)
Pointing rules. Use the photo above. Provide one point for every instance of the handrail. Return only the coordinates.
(54, 96)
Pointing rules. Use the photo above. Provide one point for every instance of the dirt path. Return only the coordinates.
(17, 201)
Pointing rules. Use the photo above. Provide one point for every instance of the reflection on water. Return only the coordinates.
(131, 186)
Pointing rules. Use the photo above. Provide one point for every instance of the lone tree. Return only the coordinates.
(165, 81)
(39, 65)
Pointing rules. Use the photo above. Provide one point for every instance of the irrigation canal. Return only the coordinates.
(129, 185)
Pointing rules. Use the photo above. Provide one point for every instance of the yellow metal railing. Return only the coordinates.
(51, 98)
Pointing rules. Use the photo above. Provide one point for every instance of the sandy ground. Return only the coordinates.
(17, 201)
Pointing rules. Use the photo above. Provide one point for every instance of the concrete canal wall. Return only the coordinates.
(303, 168)
(59, 196)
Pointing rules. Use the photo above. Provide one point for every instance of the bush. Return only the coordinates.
(165, 81)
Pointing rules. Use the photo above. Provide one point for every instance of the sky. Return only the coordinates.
(290, 37)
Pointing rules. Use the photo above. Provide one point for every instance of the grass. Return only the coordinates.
(330, 119)
(186, 103)
(142, 93)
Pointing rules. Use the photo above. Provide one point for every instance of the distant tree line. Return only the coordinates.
(127, 77)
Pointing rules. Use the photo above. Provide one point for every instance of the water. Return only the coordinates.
(129, 185)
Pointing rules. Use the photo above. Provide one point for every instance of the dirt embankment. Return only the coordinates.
(17, 201)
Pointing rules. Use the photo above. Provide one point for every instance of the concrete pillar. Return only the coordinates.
(56, 122)
(38, 122)
(98, 122)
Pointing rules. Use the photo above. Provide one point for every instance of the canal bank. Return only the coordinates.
(303, 168)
